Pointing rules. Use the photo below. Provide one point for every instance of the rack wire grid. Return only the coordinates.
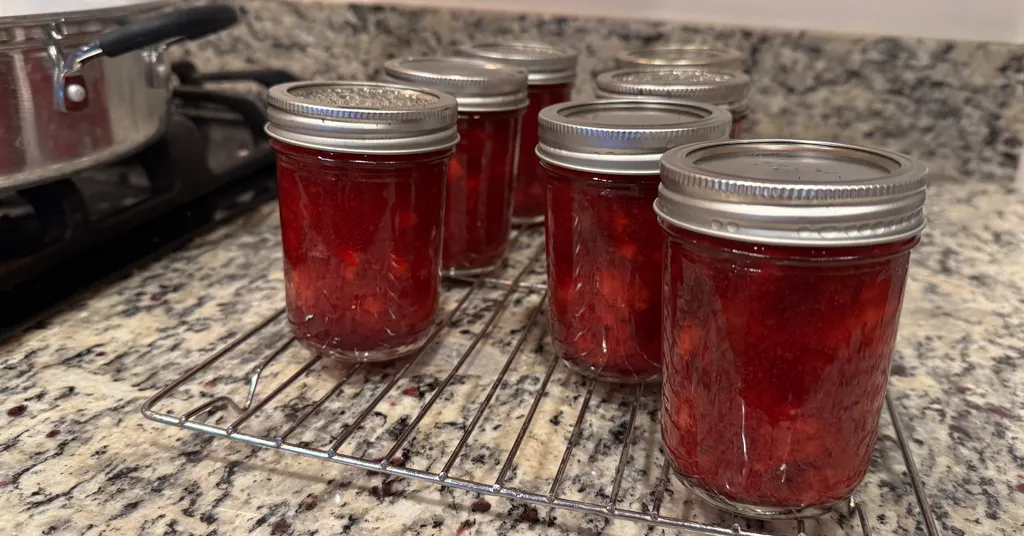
(482, 408)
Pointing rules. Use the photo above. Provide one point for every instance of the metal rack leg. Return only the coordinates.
(233, 427)
(147, 408)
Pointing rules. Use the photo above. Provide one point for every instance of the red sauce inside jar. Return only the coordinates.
(604, 252)
(478, 205)
(776, 363)
(739, 124)
(529, 191)
(361, 248)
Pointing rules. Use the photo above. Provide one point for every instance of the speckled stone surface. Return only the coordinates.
(77, 457)
(957, 105)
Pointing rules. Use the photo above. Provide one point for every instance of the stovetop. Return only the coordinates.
(212, 163)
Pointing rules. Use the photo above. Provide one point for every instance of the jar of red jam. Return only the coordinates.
(552, 76)
(604, 247)
(361, 170)
(682, 55)
(784, 274)
(481, 174)
(711, 85)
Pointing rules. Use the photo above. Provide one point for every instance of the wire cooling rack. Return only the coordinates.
(485, 394)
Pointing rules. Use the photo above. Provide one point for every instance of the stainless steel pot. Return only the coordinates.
(84, 88)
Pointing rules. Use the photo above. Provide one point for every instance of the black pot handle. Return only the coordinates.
(186, 24)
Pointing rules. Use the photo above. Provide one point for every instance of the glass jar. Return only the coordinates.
(785, 268)
(604, 248)
(361, 173)
(552, 76)
(481, 174)
(681, 55)
(720, 87)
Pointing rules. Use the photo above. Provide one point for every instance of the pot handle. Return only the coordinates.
(185, 25)
(182, 25)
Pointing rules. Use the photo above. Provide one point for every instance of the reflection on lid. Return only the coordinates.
(377, 97)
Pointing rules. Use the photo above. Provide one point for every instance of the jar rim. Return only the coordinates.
(545, 64)
(624, 136)
(793, 192)
(362, 117)
(703, 84)
(681, 54)
(477, 85)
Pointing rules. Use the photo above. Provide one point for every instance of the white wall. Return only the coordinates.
(982, 20)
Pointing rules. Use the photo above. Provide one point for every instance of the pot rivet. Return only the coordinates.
(75, 93)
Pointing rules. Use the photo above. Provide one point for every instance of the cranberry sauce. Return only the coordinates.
(604, 247)
(785, 264)
(361, 170)
(529, 191)
(776, 362)
(739, 124)
(604, 253)
(478, 207)
(361, 247)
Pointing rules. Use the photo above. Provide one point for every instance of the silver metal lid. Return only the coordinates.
(362, 117)
(546, 64)
(478, 86)
(626, 136)
(710, 85)
(682, 56)
(791, 192)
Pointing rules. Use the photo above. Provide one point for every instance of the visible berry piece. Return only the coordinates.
(405, 219)
(348, 257)
(399, 267)
(455, 170)
(627, 250)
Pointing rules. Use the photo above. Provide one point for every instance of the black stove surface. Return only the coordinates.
(213, 163)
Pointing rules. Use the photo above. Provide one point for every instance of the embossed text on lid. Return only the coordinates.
(703, 84)
(479, 86)
(546, 64)
(365, 117)
(624, 136)
(793, 192)
(682, 55)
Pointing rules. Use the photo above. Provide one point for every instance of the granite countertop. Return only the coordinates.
(76, 456)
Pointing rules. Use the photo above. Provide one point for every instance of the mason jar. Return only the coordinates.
(481, 175)
(785, 267)
(604, 247)
(552, 76)
(361, 170)
(721, 87)
(682, 55)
